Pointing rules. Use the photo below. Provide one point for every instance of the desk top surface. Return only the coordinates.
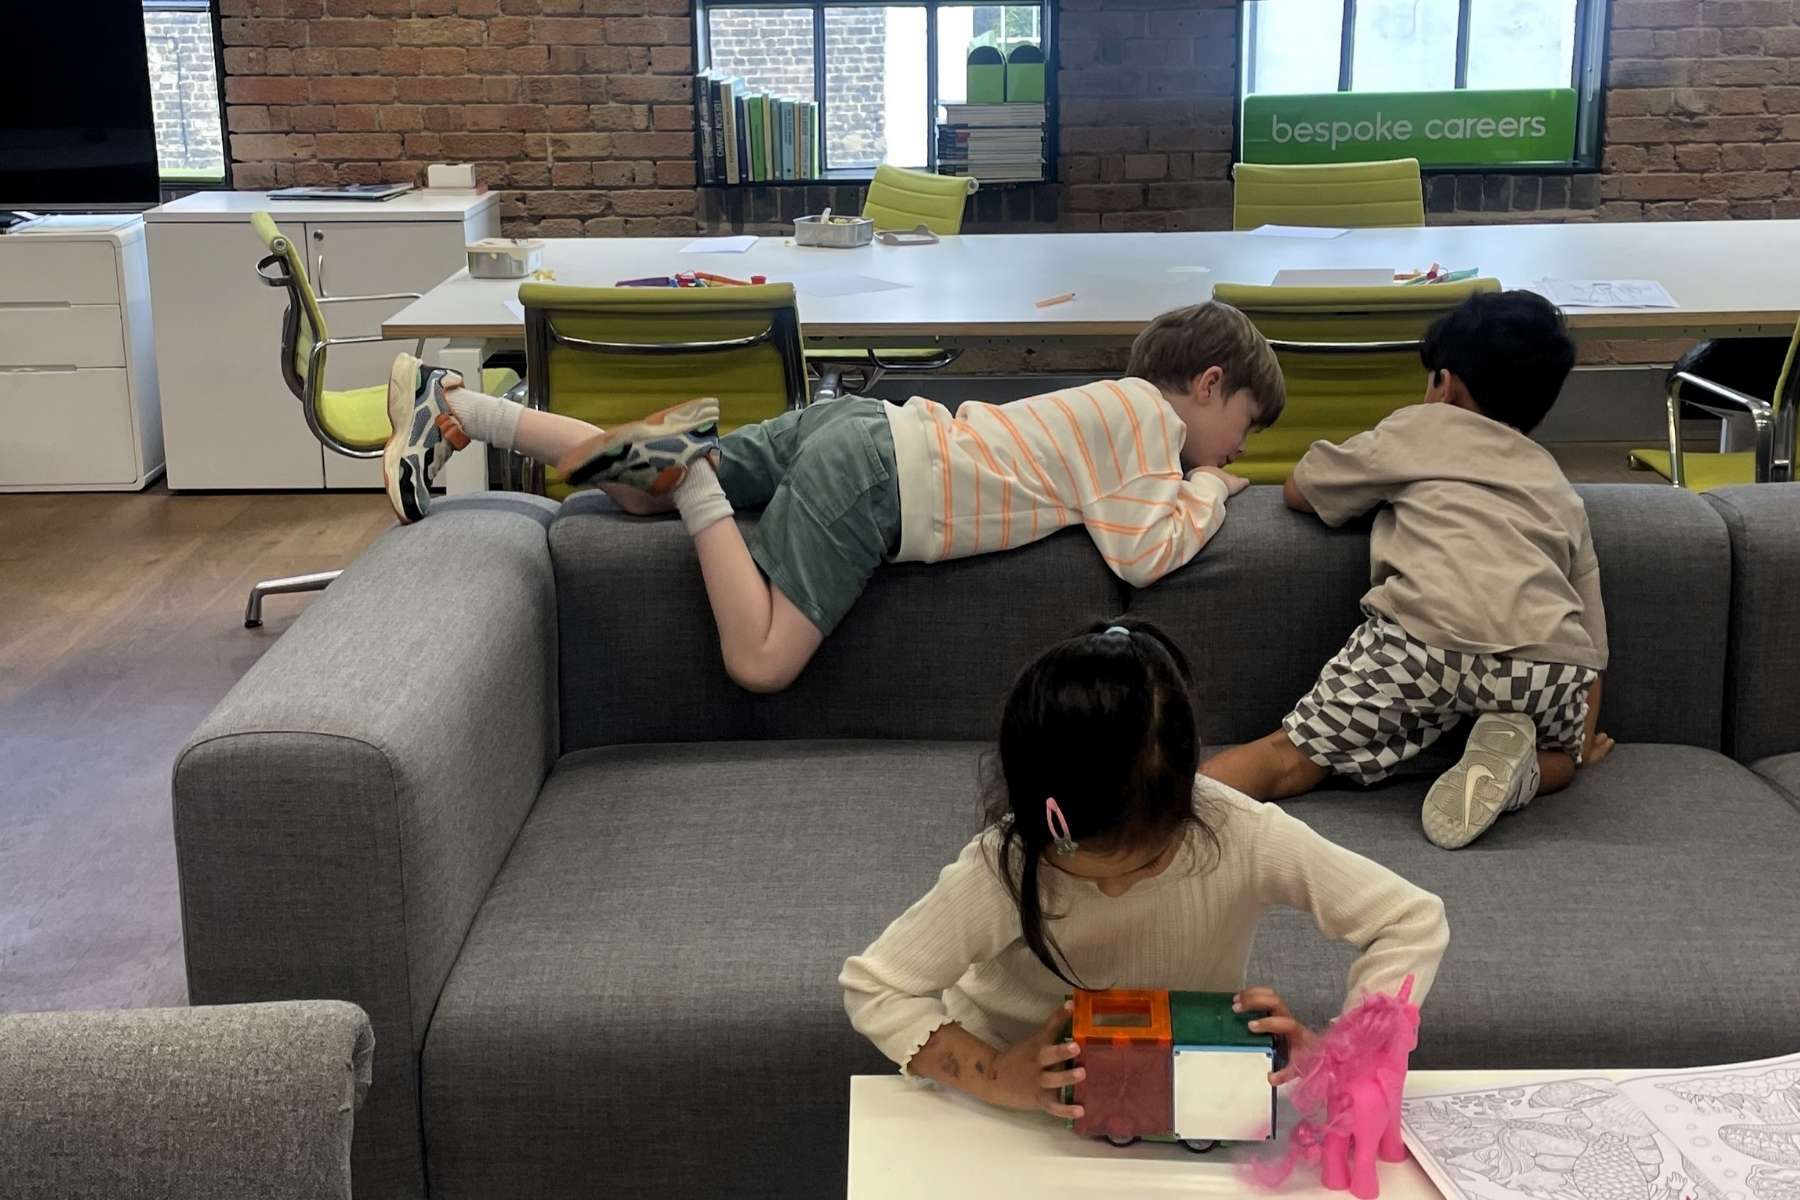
(908, 1141)
(1727, 276)
(418, 205)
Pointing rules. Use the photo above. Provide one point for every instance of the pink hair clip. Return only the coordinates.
(1059, 827)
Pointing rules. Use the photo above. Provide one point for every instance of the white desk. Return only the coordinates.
(230, 420)
(1731, 277)
(908, 1141)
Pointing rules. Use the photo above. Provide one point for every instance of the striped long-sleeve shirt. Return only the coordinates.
(1108, 456)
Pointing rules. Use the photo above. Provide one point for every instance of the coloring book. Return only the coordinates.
(1709, 1133)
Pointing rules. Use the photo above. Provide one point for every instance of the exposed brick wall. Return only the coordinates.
(581, 111)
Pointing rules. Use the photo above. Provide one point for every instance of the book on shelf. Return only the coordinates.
(998, 116)
(753, 137)
(787, 139)
(728, 131)
(771, 160)
(703, 123)
(741, 132)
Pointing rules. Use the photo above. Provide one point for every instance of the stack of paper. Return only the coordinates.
(999, 143)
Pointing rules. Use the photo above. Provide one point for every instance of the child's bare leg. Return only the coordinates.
(1556, 770)
(764, 640)
(1270, 768)
(547, 436)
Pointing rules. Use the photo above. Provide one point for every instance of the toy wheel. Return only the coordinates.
(1198, 1146)
(1120, 1139)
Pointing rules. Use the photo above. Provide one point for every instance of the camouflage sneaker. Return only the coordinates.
(652, 454)
(425, 434)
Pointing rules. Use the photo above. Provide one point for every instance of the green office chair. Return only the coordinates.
(1350, 356)
(1773, 459)
(353, 423)
(904, 200)
(610, 355)
(1365, 195)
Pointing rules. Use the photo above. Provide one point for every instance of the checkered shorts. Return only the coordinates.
(1387, 696)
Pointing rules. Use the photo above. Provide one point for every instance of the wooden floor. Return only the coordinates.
(121, 625)
(120, 628)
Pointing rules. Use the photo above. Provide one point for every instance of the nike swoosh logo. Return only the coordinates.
(1469, 784)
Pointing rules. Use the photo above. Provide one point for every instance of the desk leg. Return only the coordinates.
(467, 469)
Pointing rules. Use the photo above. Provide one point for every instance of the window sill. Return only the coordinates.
(1516, 169)
(859, 179)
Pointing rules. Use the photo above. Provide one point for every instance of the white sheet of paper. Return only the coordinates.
(1297, 231)
(516, 309)
(1335, 277)
(835, 283)
(720, 245)
(1716, 1127)
(1190, 270)
(1605, 293)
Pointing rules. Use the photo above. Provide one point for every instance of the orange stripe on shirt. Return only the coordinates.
(1074, 485)
(1080, 442)
(1037, 468)
(1005, 493)
(1131, 562)
(1137, 430)
(1109, 527)
(949, 508)
(1118, 471)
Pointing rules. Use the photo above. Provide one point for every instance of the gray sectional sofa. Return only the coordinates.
(495, 788)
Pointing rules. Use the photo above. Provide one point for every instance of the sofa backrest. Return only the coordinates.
(1275, 594)
(928, 652)
(1764, 659)
(930, 649)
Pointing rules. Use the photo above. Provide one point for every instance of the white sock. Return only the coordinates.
(485, 418)
(700, 500)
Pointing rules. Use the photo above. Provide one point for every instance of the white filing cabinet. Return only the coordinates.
(78, 397)
(228, 416)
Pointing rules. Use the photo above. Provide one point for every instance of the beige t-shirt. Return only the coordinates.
(1481, 544)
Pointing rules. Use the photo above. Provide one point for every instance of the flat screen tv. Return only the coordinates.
(76, 128)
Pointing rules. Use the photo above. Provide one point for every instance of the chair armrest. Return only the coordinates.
(378, 296)
(195, 1102)
(341, 814)
(1721, 401)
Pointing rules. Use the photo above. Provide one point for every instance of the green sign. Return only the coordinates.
(1440, 129)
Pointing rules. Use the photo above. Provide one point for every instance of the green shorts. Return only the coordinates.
(824, 477)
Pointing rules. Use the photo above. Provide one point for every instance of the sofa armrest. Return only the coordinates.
(249, 1099)
(341, 814)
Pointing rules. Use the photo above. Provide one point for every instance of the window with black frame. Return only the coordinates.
(184, 90)
(877, 73)
(1472, 67)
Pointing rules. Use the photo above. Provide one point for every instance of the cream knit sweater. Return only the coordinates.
(957, 954)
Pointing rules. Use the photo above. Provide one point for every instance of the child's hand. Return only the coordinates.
(1280, 1022)
(1598, 747)
(1026, 1074)
(1233, 483)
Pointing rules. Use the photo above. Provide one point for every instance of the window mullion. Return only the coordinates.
(1347, 48)
(931, 82)
(818, 14)
(1462, 42)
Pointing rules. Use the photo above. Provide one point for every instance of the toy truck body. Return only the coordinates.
(1171, 1066)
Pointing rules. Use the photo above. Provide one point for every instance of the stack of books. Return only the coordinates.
(747, 136)
(996, 143)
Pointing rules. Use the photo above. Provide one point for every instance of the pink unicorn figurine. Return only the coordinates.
(1354, 1077)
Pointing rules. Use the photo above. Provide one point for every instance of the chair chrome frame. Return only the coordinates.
(1775, 427)
(273, 270)
(832, 371)
(541, 334)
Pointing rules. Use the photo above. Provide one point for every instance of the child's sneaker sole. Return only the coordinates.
(651, 454)
(413, 455)
(1498, 771)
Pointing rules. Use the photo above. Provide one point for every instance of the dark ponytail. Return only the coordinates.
(1104, 722)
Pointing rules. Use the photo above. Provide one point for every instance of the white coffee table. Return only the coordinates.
(908, 1142)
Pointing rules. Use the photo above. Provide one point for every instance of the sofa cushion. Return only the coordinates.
(1645, 917)
(648, 997)
(1783, 771)
(648, 1000)
(1275, 594)
(927, 652)
(1763, 521)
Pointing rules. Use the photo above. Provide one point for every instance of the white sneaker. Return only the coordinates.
(425, 434)
(1497, 773)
